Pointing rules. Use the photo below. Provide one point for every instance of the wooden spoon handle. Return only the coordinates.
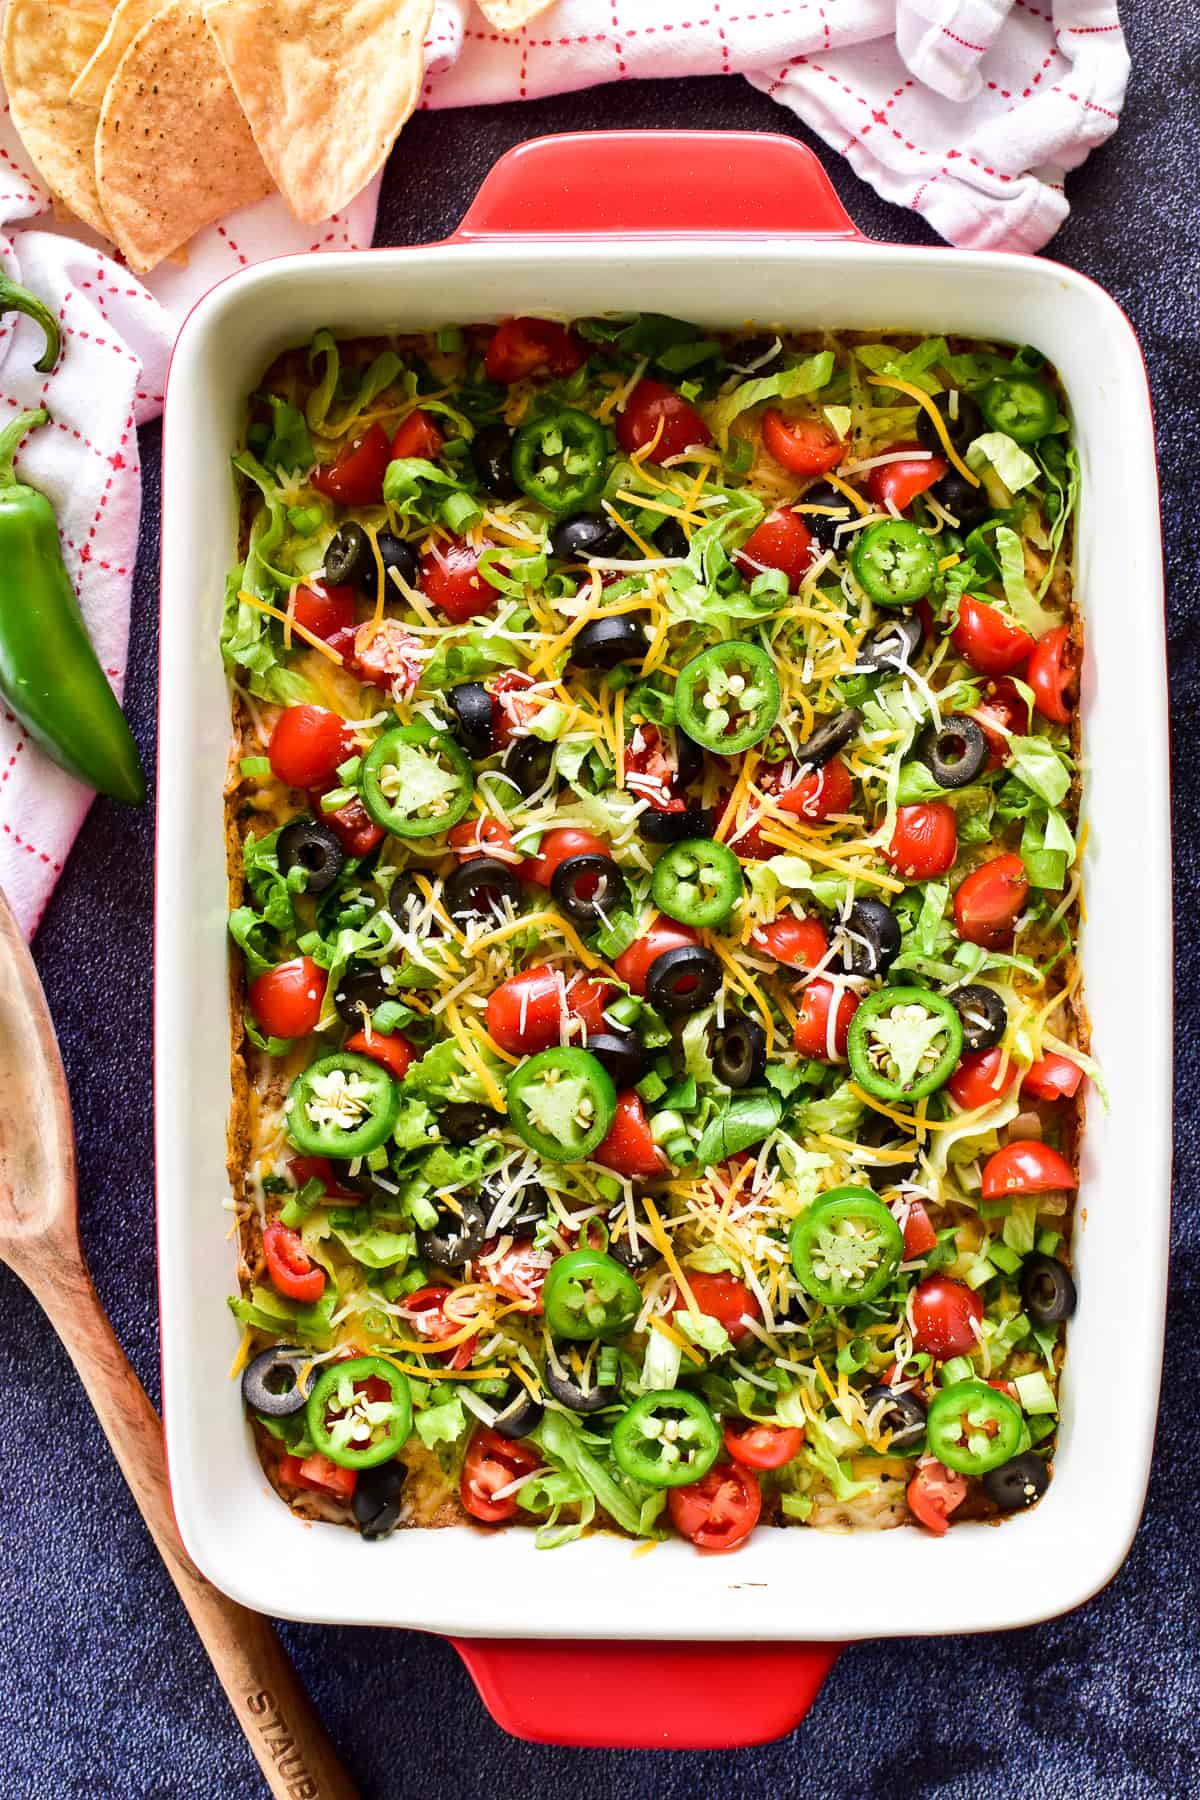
(277, 1716)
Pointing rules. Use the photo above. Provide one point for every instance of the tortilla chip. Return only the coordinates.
(510, 15)
(91, 84)
(326, 86)
(173, 151)
(43, 49)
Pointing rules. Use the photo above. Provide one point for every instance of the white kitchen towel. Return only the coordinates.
(965, 111)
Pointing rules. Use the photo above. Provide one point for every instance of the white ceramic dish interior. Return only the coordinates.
(784, 1584)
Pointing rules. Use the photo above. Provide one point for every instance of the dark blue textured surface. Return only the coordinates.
(103, 1687)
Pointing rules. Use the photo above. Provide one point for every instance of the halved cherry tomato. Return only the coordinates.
(1026, 1166)
(650, 772)
(820, 793)
(292, 1270)
(1053, 674)
(919, 1235)
(307, 745)
(800, 942)
(387, 656)
(783, 541)
(355, 477)
(651, 404)
(1000, 713)
(633, 965)
(924, 841)
(492, 1464)
(976, 1082)
(723, 1298)
(428, 1305)
(352, 825)
(556, 847)
(483, 836)
(417, 436)
(518, 1272)
(898, 483)
(933, 1493)
(806, 446)
(394, 1053)
(812, 1034)
(991, 643)
(719, 1511)
(318, 1474)
(287, 999)
(324, 611)
(945, 1313)
(449, 578)
(510, 710)
(524, 1013)
(1052, 1077)
(318, 1168)
(523, 347)
(629, 1149)
(758, 1446)
(989, 902)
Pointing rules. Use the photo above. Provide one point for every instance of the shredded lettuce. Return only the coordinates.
(806, 377)
(1042, 768)
(1024, 606)
(737, 1126)
(626, 1502)
(443, 1423)
(1015, 467)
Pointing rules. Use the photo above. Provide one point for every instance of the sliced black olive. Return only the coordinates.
(634, 1254)
(603, 643)
(954, 753)
(871, 938)
(532, 1205)
(491, 453)
(458, 1235)
(313, 847)
(689, 758)
(620, 1053)
(962, 425)
(589, 889)
(473, 715)
(983, 1013)
(529, 762)
(824, 525)
(877, 1132)
(969, 505)
(479, 888)
(359, 991)
(396, 554)
(671, 539)
(904, 1417)
(271, 1383)
(758, 355)
(830, 736)
(376, 1501)
(518, 1416)
(559, 1377)
(350, 560)
(1047, 1290)
(465, 1120)
(891, 645)
(683, 980)
(588, 534)
(1017, 1484)
(673, 827)
(740, 1051)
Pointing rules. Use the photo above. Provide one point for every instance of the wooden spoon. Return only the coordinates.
(39, 1240)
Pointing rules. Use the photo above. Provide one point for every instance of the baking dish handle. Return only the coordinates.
(639, 1696)
(657, 183)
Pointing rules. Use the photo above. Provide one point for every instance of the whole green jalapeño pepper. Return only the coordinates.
(49, 673)
(359, 1412)
(589, 1295)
